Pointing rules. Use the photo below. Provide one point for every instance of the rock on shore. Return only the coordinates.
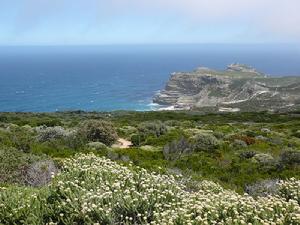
(238, 88)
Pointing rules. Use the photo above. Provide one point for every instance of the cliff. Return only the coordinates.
(238, 88)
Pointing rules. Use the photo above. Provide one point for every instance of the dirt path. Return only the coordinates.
(122, 143)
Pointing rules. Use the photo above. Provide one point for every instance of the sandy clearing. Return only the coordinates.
(122, 143)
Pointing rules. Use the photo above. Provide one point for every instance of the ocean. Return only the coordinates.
(106, 78)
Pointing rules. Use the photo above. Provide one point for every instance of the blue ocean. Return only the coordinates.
(106, 78)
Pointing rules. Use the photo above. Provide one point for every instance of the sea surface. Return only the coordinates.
(106, 78)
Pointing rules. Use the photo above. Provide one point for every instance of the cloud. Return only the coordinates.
(187, 20)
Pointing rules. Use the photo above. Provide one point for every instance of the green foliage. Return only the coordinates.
(231, 164)
(96, 146)
(177, 148)
(98, 130)
(290, 158)
(13, 164)
(20, 138)
(205, 142)
(155, 128)
(137, 139)
(165, 138)
(93, 190)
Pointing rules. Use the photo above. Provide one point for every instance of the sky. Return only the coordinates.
(106, 22)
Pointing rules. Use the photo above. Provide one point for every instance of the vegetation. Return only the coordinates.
(98, 130)
(93, 190)
(182, 168)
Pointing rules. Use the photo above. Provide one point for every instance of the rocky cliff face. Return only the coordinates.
(238, 88)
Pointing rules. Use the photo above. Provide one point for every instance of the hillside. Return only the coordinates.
(179, 167)
(238, 88)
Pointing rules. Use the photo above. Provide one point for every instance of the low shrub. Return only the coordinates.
(263, 188)
(247, 139)
(155, 128)
(45, 134)
(98, 131)
(219, 135)
(296, 133)
(126, 131)
(137, 140)
(96, 146)
(263, 159)
(290, 157)
(177, 148)
(92, 190)
(13, 163)
(239, 144)
(247, 154)
(39, 173)
(205, 142)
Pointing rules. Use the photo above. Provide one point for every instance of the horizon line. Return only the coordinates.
(148, 44)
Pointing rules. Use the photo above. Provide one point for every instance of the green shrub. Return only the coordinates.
(126, 131)
(96, 145)
(177, 148)
(247, 139)
(296, 133)
(73, 140)
(250, 133)
(205, 142)
(13, 164)
(290, 157)
(219, 135)
(263, 188)
(162, 140)
(263, 159)
(156, 128)
(247, 154)
(239, 144)
(39, 173)
(93, 190)
(98, 131)
(137, 139)
(45, 134)
(49, 122)
(20, 138)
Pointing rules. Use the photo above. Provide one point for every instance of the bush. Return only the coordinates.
(263, 159)
(96, 145)
(263, 188)
(39, 173)
(290, 157)
(177, 148)
(126, 131)
(137, 140)
(247, 154)
(12, 165)
(296, 133)
(74, 140)
(248, 140)
(93, 190)
(205, 142)
(156, 128)
(219, 135)
(45, 134)
(21, 138)
(98, 131)
(250, 133)
(239, 144)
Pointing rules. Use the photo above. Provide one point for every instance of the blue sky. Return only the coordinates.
(97, 22)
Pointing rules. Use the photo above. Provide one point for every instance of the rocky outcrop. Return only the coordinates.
(239, 88)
